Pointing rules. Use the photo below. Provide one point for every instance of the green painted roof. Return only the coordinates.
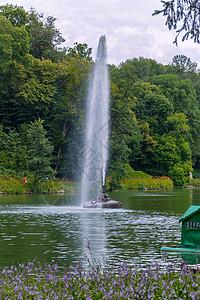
(192, 210)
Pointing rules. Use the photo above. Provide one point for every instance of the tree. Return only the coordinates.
(12, 151)
(132, 70)
(174, 152)
(181, 93)
(182, 96)
(182, 66)
(80, 50)
(180, 174)
(14, 49)
(125, 138)
(182, 16)
(44, 37)
(65, 120)
(14, 42)
(138, 111)
(39, 152)
(15, 14)
(178, 124)
(39, 86)
(184, 63)
(151, 105)
(145, 159)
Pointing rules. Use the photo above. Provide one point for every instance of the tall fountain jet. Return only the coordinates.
(95, 153)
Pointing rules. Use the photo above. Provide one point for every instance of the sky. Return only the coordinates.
(131, 30)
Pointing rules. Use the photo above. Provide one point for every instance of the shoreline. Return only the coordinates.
(62, 191)
(13, 185)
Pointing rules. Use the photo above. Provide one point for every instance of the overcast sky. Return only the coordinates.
(129, 26)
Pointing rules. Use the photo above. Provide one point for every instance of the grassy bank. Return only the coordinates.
(14, 185)
(138, 180)
(150, 183)
(36, 280)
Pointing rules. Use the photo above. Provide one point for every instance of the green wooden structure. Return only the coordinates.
(190, 235)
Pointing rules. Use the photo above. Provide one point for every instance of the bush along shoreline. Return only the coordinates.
(152, 183)
(138, 180)
(131, 180)
(14, 185)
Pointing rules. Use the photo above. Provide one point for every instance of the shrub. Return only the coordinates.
(129, 172)
(13, 185)
(148, 183)
(195, 182)
(116, 182)
(180, 174)
(196, 173)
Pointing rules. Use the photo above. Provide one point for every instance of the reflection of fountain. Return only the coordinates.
(95, 152)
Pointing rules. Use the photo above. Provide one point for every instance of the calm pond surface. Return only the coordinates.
(48, 227)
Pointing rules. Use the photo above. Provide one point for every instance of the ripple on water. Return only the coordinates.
(47, 231)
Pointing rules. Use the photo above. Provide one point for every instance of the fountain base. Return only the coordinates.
(103, 202)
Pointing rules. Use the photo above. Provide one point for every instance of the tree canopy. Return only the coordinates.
(155, 109)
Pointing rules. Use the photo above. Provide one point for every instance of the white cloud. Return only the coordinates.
(106, 2)
(127, 30)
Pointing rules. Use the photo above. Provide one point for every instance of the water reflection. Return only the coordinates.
(43, 227)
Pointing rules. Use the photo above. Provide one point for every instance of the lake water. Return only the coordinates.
(49, 227)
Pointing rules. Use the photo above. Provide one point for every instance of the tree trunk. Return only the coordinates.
(60, 147)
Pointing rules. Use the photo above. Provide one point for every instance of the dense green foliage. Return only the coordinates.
(155, 109)
(161, 123)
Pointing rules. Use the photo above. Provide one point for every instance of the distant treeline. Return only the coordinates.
(155, 109)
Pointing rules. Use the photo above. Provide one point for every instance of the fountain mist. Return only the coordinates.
(95, 154)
